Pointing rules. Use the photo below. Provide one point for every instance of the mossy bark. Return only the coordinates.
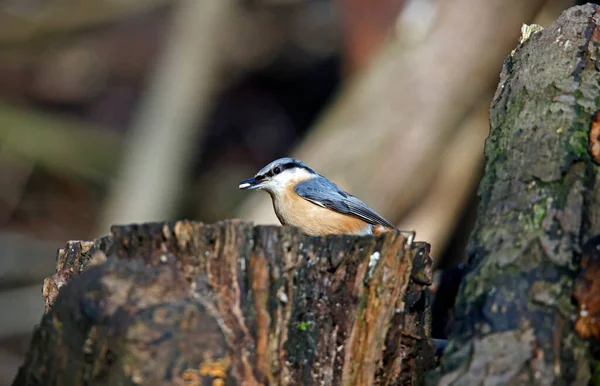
(189, 303)
(540, 202)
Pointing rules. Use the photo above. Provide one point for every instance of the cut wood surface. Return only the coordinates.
(230, 303)
(540, 203)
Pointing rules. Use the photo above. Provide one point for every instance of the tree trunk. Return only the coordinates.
(540, 202)
(188, 303)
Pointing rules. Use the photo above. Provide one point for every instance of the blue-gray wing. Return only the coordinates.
(325, 193)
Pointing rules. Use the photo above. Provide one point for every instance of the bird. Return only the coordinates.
(305, 199)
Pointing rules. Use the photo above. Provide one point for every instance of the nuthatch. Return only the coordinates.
(305, 199)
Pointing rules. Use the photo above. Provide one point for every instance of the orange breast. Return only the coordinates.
(313, 219)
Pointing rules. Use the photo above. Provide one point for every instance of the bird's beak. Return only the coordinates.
(250, 183)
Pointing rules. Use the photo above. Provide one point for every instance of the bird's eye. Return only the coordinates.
(276, 170)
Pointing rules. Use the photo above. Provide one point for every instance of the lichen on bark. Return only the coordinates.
(538, 205)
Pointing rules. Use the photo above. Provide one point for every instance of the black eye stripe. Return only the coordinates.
(287, 166)
(282, 168)
(291, 165)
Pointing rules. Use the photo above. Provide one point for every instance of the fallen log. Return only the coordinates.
(229, 303)
(518, 320)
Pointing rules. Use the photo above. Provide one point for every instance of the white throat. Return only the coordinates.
(280, 183)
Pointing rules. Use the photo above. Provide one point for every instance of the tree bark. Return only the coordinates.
(515, 312)
(189, 303)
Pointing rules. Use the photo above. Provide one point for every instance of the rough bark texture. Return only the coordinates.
(540, 202)
(188, 303)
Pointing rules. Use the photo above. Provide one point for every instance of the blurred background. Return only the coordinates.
(119, 111)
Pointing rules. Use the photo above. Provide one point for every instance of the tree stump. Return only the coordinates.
(186, 303)
(516, 315)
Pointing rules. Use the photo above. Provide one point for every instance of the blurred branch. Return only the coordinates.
(436, 215)
(23, 21)
(165, 133)
(63, 145)
(366, 27)
(383, 138)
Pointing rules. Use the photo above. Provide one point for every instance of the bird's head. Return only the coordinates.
(277, 175)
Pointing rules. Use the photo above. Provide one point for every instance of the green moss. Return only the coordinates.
(303, 326)
(552, 294)
(578, 142)
(479, 283)
(532, 222)
(539, 212)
